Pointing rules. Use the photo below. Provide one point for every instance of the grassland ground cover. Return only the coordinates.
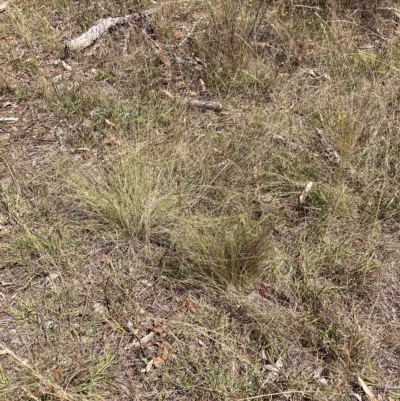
(151, 249)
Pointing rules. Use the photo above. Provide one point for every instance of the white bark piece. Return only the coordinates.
(304, 194)
(330, 152)
(101, 27)
(206, 104)
(4, 5)
(8, 120)
(274, 371)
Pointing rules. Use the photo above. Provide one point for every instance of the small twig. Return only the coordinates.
(190, 33)
(201, 104)
(385, 387)
(205, 104)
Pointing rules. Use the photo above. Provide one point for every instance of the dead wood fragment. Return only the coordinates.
(205, 104)
(3, 6)
(8, 120)
(304, 194)
(330, 152)
(102, 26)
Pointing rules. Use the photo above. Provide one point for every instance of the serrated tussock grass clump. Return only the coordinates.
(136, 198)
(226, 250)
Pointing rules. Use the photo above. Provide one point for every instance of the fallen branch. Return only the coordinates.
(102, 26)
(330, 152)
(8, 120)
(205, 104)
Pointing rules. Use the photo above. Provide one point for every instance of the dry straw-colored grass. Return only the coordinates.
(131, 223)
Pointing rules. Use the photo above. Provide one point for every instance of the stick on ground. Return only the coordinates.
(101, 27)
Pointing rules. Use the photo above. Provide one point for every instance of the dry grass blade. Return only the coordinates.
(56, 390)
(366, 389)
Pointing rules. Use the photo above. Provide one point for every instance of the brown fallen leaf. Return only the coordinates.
(366, 389)
(4, 232)
(158, 361)
(255, 172)
(263, 290)
(189, 305)
(111, 141)
(178, 35)
(57, 374)
(4, 138)
(158, 327)
(164, 348)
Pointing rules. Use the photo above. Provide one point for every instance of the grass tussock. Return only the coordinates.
(229, 251)
(135, 197)
(151, 249)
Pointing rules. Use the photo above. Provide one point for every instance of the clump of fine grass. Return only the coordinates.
(227, 250)
(135, 198)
